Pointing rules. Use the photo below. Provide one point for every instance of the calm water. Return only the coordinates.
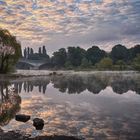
(92, 106)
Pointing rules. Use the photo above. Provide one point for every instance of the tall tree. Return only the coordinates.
(25, 53)
(31, 51)
(119, 52)
(44, 50)
(133, 52)
(39, 50)
(75, 55)
(136, 62)
(28, 52)
(59, 57)
(10, 51)
(95, 54)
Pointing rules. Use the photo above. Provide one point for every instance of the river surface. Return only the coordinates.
(90, 105)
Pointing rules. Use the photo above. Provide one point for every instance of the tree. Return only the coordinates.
(28, 52)
(25, 53)
(68, 65)
(44, 50)
(59, 57)
(121, 64)
(95, 54)
(31, 51)
(119, 52)
(10, 51)
(39, 50)
(136, 62)
(133, 52)
(105, 64)
(85, 63)
(75, 55)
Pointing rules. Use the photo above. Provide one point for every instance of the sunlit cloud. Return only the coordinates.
(61, 23)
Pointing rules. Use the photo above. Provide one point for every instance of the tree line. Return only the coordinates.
(29, 53)
(119, 58)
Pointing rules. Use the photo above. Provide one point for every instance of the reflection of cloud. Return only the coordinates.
(98, 21)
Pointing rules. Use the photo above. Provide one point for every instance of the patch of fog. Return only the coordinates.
(39, 72)
(69, 72)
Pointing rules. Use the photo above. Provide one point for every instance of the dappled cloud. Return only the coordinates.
(37, 22)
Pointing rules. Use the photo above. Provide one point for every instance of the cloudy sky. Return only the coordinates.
(62, 23)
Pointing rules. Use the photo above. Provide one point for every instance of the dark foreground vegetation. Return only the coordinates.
(12, 135)
(120, 58)
(10, 51)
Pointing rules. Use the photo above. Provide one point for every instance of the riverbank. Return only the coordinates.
(13, 135)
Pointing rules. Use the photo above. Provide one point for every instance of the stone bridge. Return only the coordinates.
(32, 64)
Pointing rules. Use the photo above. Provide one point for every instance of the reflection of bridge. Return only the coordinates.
(31, 64)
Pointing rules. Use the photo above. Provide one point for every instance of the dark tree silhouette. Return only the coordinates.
(75, 55)
(95, 54)
(59, 57)
(10, 51)
(119, 52)
(44, 50)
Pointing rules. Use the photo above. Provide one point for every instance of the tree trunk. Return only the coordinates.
(4, 67)
(6, 64)
(2, 64)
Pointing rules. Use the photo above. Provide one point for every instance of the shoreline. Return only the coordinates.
(13, 135)
(19, 74)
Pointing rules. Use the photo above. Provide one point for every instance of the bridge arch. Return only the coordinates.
(24, 65)
(45, 66)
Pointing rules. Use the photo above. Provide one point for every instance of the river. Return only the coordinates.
(90, 105)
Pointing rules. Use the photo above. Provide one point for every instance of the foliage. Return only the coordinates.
(121, 65)
(9, 105)
(119, 52)
(10, 51)
(134, 51)
(75, 55)
(59, 57)
(95, 54)
(120, 58)
(136, 63)
(41, 55)
(85, 63)
(105, 64)
(68, 65)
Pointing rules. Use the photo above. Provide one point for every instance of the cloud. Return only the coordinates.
(61, 23)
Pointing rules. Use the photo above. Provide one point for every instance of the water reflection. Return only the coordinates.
(28, 85)
(77, 83)
(58, 101)
(9, 103)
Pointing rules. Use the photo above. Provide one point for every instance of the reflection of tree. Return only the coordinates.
(77, 83)
(121, 85)
(28, 86)
(74, 84)
(9, 104)
(96, 83)
(60, 83)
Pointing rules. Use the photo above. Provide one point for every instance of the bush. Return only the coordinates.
(105, 64)
(136, 63)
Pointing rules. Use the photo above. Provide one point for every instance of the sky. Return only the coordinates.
(63, 23)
